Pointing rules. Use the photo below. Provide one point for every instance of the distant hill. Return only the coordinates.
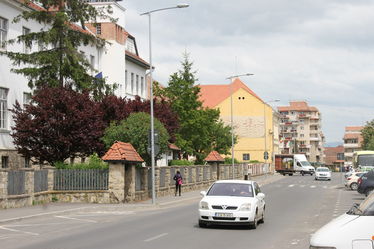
(333, 144)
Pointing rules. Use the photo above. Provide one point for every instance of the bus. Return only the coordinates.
(363, 159)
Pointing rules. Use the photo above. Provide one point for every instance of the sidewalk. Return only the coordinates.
(16, 214)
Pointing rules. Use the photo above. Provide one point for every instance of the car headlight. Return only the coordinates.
(245, 207)
(204, 205)
(322, 247)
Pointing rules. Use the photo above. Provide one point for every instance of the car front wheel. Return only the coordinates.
(354, 186)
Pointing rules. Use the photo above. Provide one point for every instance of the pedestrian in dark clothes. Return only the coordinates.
(178, 183)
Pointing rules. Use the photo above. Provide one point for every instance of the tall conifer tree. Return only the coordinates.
(58, 61)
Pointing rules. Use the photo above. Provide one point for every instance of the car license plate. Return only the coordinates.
(223, 214)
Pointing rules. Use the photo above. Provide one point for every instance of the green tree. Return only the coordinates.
(135, 130)
(201, 130)
(59, 61)
(368, 135)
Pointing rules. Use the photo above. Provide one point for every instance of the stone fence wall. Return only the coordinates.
(126, 183)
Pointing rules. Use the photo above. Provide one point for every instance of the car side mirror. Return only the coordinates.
(261, 196)
(203, 193)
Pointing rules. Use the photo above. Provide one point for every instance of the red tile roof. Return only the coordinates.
(136, 57)
(352, 135)
(354, 128)
(34, 6)
(173, 147)
(214, 156)
(212, 95)
(298, 106)
(121, 151)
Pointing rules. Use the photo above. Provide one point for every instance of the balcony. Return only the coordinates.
(351, 146)
(348, 154)
(314, 138)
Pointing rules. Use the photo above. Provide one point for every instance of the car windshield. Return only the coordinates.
(231, 189)
(305, 163)
(323, 169)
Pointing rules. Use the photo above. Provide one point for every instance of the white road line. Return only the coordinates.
(71, 218)
(156, 237)
(313, 186)
(290, 186)
(17, 231)
(4, 237)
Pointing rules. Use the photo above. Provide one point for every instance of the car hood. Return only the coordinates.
(344, 229)
(228, 200)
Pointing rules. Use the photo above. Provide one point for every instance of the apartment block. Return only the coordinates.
(300, 131)
(352, 142)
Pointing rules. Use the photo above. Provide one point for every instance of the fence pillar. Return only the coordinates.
(130, 175)
(29, 185)
(3, 184)
(50, 177)
(116, 182)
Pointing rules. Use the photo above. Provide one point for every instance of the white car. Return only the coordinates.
(323, 173)
(232, 202)
(352, 230)
(351, 181)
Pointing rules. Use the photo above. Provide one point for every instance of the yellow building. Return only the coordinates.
(250, 115)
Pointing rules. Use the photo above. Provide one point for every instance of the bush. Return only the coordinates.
(254, 161)
(180, 163)
(228, 160)
(94, 162)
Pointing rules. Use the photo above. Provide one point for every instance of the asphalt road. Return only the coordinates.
(296, 206)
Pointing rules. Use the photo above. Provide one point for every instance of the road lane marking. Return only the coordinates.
(156, 237)
(313, 186)
(4, 237)
(290, 186)
(71, 218)
(17, 231)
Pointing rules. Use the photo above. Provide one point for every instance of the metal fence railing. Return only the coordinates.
(89, 179)
(138, 179)
(16, 182)
(40, 180)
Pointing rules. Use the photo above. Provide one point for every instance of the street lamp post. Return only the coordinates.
(151, 93)
(265, 130)
(231, 117)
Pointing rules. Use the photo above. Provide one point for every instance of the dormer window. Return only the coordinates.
(130, 45)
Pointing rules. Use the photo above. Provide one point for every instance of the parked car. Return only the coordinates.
(323, 173)
(232, 202)
(352, 230)
(366, 183)
(351, 181)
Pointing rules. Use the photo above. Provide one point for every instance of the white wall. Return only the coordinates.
(131, 67)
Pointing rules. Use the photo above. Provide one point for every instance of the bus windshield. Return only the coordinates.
(365, 160)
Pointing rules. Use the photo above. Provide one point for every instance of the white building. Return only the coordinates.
(119, 63)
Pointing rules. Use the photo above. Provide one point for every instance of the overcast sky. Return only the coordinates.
(321, 51)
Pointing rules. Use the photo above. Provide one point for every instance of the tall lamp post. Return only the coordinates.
(266, 154)
(151, 93)
(231, 117)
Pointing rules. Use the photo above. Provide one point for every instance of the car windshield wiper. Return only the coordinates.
(358, 212)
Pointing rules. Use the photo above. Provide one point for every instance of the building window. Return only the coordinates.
(142, 86)
(137, 84)
(26, 98)
(301, 127)
(98, 28)
(132, 83)
(4, 162)
(26, 48)
(3, 107)
(246, 157)
(27, 162)
(3, 31)
(126, 80)
(92, 61)
(301, 135)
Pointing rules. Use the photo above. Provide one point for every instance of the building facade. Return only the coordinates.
(334, 157)
(118, 62)
(253, 119)
(301, 131)
(352, 142)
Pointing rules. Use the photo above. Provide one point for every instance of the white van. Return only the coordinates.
(302, 165)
